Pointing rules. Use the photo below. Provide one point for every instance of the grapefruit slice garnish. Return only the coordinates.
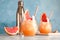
(44, 17)
(11, 30)
(27, 15)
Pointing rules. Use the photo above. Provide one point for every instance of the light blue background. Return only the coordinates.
(8, 10)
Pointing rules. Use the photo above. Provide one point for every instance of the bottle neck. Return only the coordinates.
(20, 7)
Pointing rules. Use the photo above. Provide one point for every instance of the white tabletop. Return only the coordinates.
(37, 37)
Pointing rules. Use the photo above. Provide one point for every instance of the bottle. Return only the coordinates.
(19, 13)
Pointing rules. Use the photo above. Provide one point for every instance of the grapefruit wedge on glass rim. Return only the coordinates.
(11, 30)
(27, 15)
